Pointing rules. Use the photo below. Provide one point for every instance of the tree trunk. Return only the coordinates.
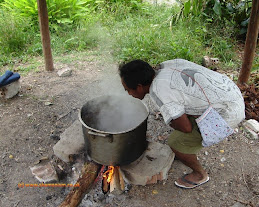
(45, 37)
(89, 174)
(250, 45)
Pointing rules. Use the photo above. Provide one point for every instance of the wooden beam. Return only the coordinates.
(45, 36)
(251, 42)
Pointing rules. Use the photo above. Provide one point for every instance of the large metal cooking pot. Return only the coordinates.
(114, 129)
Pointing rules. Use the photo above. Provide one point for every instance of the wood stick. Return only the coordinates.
(122, 183)
(105, 185)
(117, 183)
(86, 180)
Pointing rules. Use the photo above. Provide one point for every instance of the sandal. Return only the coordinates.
(190, 182)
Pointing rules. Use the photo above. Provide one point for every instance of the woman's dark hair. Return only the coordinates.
(136, 72)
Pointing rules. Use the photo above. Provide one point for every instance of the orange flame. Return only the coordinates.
(109, 173)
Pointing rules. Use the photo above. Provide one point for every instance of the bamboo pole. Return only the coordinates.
(250, 44)
(45, 36)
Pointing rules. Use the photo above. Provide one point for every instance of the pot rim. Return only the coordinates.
(114, 133)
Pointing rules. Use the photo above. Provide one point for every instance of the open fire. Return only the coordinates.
(152, 167)
(112, 180)
(108, 174)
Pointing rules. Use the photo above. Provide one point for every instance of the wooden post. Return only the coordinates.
(45, 37)
(250, 45)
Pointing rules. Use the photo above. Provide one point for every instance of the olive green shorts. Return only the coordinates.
(187, 143)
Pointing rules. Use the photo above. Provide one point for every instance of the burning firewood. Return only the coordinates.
(113, 180)
(106, 186)
(107, 176)
(86, 180)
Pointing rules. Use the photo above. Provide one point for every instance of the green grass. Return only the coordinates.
(148, 36)
(121, 33)
(14, 36)
(75, 56)
(23, 70)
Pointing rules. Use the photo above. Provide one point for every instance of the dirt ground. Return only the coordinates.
(47, 104)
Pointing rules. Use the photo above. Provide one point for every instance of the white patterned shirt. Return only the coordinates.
(176, 89)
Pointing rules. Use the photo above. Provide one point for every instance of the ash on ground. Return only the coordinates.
(96, 197)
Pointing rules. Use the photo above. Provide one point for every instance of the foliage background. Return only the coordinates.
(127, 29)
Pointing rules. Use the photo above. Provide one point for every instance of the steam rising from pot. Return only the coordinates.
(112, 109)
(114, 113)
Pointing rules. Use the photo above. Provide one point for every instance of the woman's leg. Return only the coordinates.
(198, 174)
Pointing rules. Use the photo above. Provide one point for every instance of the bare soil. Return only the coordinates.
(47, 104)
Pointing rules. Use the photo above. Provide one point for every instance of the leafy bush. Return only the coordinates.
(237, 10)
(242, 12)
(59, 11)
(218, 11)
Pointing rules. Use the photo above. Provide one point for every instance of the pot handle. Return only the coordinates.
(97, 134)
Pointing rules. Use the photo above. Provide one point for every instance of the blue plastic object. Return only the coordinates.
(8, 78)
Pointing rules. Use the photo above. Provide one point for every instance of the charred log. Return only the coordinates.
(86, 180)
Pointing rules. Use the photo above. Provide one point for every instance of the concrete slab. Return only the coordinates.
(151, 167)
(71, 142)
